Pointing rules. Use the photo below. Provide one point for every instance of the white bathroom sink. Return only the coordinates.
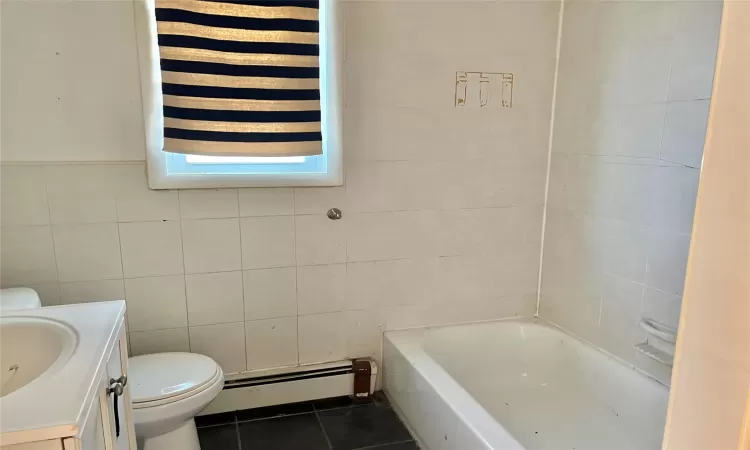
(32, 349)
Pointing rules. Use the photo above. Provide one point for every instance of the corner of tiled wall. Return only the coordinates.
(633, 92)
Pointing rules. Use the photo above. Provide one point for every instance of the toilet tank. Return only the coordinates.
(19, 298)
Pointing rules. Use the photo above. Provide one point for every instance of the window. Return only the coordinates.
(175, 170)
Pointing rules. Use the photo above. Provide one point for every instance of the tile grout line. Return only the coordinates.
(323, 429)
(281, 416)
(296, 270)
(201, 427)
(242, 283)
(666, 105)
(314, 410)
(343, 407)
(122, 260)
(237, 431)
(184, 271)
(52, 235)
(384, 445)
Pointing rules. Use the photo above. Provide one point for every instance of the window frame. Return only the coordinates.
(331, 109)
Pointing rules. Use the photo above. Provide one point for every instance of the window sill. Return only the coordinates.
(158, 178)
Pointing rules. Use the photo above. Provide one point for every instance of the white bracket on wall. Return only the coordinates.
(484, 90)
(661, 341)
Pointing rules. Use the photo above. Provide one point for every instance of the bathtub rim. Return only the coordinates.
(536, 320)
(483, 426)
(408, 344)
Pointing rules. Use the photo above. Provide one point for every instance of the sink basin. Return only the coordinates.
(31, 349)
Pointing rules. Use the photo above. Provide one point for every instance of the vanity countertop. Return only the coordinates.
(54, 407)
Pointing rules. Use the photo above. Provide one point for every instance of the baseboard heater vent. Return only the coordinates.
(284, 378)
(256, 389)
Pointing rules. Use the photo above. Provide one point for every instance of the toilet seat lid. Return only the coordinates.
(164, 375)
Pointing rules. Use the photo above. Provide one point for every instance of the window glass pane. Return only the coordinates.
(201, 159)
(200, 164)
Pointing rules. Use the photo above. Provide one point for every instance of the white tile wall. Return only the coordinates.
(23, 196)
(370, 285)
(267, 242)
(489, 308)
(319, 240)
(318, 200)
(364, 333)
(630, 121)
(81, 194)
(270, 293)
(211, 245)
(621, 311)
(224, 342)
(222, 271)
(662, 306)
(684, 132)
(49, 293)
(271, 343)
(321, 337)
(266, 202)
(87, 252)
(321, 289)
(137, 203)
(667, 261)
(157, 341)
(151, 249)
(156, 303)
(694, 50)
(27, 255)
(92, 291)
(214, 297)
(391, 280)
(209, 203)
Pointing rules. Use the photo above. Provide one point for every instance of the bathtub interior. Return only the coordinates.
(548, 389)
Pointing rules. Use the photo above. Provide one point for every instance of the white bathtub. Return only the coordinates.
(519, 384)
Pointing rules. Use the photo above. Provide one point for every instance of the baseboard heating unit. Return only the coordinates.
(278, 386)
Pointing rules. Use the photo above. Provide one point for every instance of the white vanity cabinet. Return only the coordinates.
(70, 404)
(100, 431)
(99, 428)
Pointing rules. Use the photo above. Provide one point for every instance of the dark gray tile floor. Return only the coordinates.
(331, 424)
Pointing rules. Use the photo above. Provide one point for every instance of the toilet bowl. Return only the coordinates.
(168, 391)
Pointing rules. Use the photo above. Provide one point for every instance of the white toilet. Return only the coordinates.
(167, 389)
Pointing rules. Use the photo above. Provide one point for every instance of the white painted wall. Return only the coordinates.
(710, 403)
(633, 92)
(442, 206)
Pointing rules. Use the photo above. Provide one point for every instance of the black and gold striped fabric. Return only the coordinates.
(240, 78)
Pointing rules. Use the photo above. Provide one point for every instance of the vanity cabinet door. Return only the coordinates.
(100, 429)
(92, 435)
(93, 432)
(117, 370)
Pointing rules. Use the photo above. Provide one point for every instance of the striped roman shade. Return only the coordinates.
(240, 78)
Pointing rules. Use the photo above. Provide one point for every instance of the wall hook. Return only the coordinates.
(334, 214)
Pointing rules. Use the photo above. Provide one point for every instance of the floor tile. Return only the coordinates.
(302, 432)
(215, 419)
(363, 426)
(336, 402)
(274, 411)
(341, 402)
(220, 437)
(379, 397)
